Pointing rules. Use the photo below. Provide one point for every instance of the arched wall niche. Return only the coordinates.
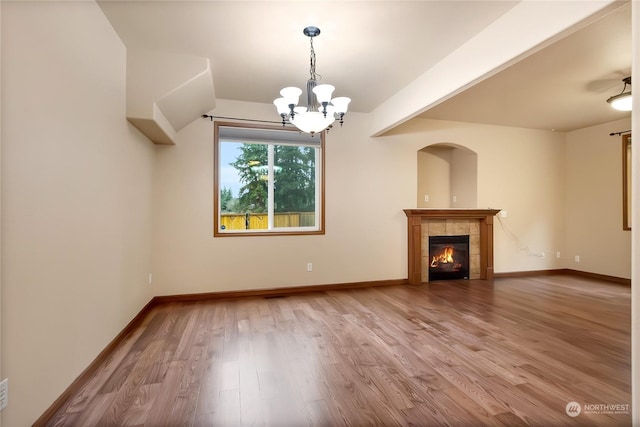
(447, 177)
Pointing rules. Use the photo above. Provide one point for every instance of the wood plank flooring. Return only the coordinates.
(505, 353)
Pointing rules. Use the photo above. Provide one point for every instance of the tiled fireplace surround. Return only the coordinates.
(477, 223)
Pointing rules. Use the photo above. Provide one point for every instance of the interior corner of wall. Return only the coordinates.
(210, 71)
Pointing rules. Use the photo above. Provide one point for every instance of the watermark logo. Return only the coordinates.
(573, 409)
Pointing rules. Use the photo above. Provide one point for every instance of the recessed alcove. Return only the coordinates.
(447, 177)
(447, 200)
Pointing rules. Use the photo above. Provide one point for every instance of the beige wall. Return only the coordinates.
(448, 175)
(76, 199)
(434, 177)
(464, 179)
(519, 171)
(554, 187)
(594, 201)
(365, 227)
(369, 182)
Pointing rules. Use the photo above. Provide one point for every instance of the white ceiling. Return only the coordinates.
(370, 50)
(562, 87)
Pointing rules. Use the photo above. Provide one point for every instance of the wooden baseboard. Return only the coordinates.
(530, 273)
(91, 370)
(274, 292)
(619, 280)
(567, 271)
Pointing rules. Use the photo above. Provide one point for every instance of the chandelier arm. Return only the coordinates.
(626, 81)
(624, 88)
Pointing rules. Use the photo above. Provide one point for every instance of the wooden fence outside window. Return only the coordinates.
(259, 221)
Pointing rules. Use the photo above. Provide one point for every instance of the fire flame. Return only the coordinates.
(445, 257)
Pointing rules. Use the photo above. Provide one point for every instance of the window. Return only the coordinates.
(626, 182)
(267, 181)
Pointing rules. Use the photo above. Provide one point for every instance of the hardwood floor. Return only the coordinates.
(510, 352)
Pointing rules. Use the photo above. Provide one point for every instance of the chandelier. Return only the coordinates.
(622, 101)
(321, 111)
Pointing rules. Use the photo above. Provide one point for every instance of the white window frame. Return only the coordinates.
(269, 135)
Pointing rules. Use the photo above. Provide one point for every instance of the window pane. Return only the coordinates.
(294, 186)
(243, 186)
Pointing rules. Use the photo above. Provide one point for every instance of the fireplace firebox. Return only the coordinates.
(449, 257)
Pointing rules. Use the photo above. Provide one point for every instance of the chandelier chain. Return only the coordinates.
(312, 66)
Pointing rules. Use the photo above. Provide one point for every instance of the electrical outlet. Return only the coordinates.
(503, 214)
(309, 266)
(542, 255)
(455, 199)
(150, 278)
(577, 258)
(426, 197)
(4, 393)
(558, 254)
